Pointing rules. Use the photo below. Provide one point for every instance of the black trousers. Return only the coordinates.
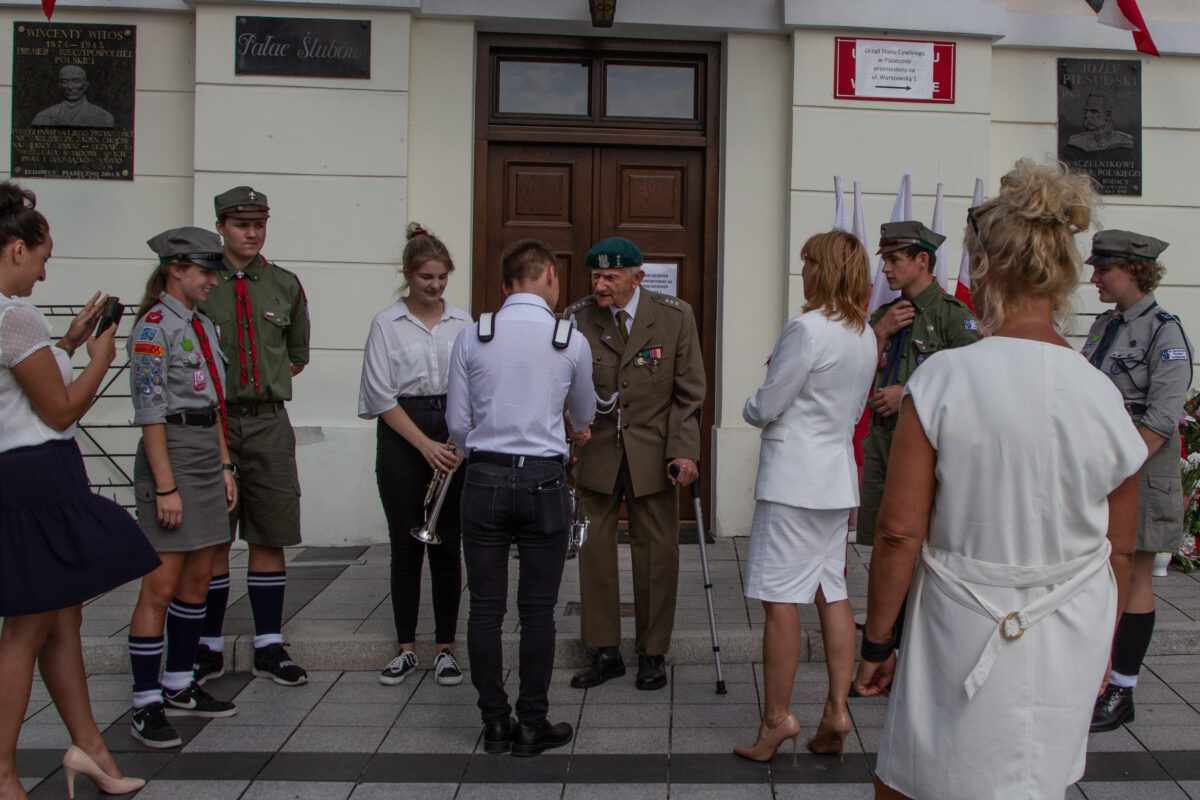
(403, 475)
(501, 505)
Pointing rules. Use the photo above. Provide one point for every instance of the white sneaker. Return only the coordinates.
(446, 669)
(398, 668)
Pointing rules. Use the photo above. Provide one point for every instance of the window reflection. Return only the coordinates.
(643, 91)
(537, 87)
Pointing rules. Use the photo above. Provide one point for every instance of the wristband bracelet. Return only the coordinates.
(230, 468)
(876, 652)
(170, 491)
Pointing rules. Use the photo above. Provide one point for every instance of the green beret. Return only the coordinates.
(899, 235)
(1110, 246)
(613, 253)
(242, 202)
(193, 245)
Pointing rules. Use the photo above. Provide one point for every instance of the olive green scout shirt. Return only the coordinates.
(941, 322)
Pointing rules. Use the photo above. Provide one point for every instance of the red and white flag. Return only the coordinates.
(939, 226)
(1124, 14)
(963, 290)
(881, 293)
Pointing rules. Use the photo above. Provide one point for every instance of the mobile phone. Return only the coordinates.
(111, 315)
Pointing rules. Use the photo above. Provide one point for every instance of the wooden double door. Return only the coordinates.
(573, 195)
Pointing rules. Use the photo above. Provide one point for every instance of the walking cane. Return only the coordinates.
(712, 620)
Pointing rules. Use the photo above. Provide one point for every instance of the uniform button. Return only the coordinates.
(624, 405)
(625, 425)
(624, 384)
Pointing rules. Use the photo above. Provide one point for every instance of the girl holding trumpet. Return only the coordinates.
(405, 366)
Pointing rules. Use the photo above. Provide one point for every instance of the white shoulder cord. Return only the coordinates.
(606, 406)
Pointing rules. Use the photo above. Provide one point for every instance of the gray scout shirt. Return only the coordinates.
(167, 373)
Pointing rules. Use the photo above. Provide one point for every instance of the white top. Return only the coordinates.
(24, 331)
(813, 396)
(507, 395)
(630, 308)
(1030, 441)
(403, 358)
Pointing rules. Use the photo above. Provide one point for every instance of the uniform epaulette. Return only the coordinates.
(1166, 316)
(579, 305)
(284, 270)
(666, 300)
(955, 301)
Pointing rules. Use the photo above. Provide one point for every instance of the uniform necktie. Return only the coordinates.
(622, 321)
(213, 375)
(245, 326)
(895, 355)
(1110, 332)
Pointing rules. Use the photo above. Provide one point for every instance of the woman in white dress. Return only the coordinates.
(1013, 492)
(816, 386)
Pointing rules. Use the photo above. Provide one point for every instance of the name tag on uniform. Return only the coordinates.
(1175, 354)
(651, 356)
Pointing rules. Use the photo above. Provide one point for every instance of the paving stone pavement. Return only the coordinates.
(343, 735)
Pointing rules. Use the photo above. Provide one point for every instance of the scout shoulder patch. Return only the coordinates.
(970, 324)
(1174, 354)
(147, 348)
(154, 317)
(147, 334)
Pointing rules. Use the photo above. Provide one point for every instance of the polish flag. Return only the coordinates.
(859, 226)
(1123, 14)
(881, 294)
(939, 226)
(963, 290)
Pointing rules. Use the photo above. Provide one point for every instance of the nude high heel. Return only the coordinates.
(76, 761)
(830, 739)
(769, 739)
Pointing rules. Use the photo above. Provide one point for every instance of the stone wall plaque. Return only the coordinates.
(315, 48)
(1100, 121)
(72, 100)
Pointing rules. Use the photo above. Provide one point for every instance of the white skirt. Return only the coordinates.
(793, 551)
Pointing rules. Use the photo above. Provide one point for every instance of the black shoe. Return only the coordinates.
(497, 735)
(209, 664)
(652, 672)
(274, 662)
(151, 727)
(195, 702)
(1113, 709)
(529, 740)
(606, 665)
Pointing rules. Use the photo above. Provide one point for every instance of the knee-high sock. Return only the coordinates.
(1134, 632)
(185, 621)
(266, 591)
(145, 659)
(214, 613)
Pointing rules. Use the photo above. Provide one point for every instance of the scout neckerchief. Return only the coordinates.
(245, 324)
(1110, 333)
(206, 349)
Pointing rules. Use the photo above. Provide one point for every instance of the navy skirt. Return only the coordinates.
(61, 544)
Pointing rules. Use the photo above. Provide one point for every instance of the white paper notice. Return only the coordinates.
(661, 278)
(903, 70)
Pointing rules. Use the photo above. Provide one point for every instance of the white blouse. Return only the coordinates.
(24, 331)
(403, 358)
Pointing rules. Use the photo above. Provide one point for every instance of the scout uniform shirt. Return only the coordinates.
(167, 369)
(273, 334)
(941, 322)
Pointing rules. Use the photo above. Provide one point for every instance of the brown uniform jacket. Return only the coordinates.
(659, 377)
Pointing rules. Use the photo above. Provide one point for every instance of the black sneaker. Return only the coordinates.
(195, 702)
(446, 669)
(209, 664)
(151, 727)
(399, 668)
(274, 662)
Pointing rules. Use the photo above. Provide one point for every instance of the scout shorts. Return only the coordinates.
(1160, 500)
(264, 449)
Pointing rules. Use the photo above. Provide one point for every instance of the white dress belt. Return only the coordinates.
(954, 574)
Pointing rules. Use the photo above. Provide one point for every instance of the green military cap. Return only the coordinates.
(613, 253)
(242, 202)
(898, 235)
(193, 245)
(1110, 246)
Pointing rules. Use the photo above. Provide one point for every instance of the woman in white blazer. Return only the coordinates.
(816, 387)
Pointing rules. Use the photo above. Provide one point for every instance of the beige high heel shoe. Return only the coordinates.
(76, 761)
(830, 739)
(769, 740)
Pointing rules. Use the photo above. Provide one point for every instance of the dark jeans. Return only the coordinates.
(501, 505)
(403, 475)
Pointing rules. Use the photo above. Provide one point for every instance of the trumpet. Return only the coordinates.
(435, 495)
(579, 524)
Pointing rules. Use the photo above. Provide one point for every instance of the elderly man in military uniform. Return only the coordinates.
(649, 378)
(908, 330)
(75, 111)
(262, 315)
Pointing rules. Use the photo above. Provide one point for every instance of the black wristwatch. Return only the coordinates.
(231, 467)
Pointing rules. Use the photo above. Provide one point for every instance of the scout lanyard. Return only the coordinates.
(245, 320)
(206, 349)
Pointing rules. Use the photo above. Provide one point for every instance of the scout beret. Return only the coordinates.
(1110, 246)
(242, 202)
(193, 245)
(613, 253)
(899, 235)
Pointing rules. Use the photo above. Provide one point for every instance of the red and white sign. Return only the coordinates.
(899, 70)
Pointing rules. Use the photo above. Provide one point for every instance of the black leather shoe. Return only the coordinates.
(497, 735)
(652, 672)
(1113, 709)
(606, 665)
(529, 740)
